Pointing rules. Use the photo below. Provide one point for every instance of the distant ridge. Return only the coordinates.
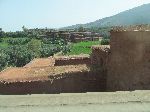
(135, 16)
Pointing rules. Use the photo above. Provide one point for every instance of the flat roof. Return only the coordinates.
(81, 56)
(27, 74)
(41, 62)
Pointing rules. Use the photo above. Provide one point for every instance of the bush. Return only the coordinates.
(19, 55)
(47, 50)
(20, 51)
(1, 40)
(18, 41)
(66, 49)
(34, 46)
(3, 60)
(105, 42)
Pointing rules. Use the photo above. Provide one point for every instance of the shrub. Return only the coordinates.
(18, 41)
(46, 50)
(3, 60)
(34, 46)
(1, 39)
(105, 42)
(19, 55)
(66, 49)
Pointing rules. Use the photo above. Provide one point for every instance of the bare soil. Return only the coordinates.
(38, 73)
(41, 62)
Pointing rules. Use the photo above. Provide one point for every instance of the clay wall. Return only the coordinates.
(72, 61)
(71, 83)
(86, 39)
(129, 65)
(99, 56)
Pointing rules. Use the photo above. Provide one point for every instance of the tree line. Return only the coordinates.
(21, 47)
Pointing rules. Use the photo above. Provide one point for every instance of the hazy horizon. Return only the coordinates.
(58, 13)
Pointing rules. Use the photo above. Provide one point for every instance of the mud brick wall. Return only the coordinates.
(72, 61)
(99, 56)
(68, 83)
(129, 65)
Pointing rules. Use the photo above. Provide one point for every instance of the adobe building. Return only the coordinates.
(129, 60)
(54, 75)
(122, 66)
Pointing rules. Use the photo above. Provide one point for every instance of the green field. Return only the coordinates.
(75, 48)
(82, 47)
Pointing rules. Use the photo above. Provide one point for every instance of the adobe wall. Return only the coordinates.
(69, 83)
(72, 61)
(129, 65)
(100, 56)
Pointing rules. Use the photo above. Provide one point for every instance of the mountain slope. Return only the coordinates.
(137, 15)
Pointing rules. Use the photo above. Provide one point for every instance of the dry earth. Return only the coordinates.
(38, 73)
(137, 101)
(41, 62)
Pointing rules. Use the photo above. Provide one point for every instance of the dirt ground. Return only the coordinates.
(38, 73)
(137, 101)
(41, 62)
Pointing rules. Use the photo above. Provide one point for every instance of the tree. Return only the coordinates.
(3, 60)
(19, 55)
(81, 29)
(105, 41)
(1, 33)
(24, 29)
(34, 45)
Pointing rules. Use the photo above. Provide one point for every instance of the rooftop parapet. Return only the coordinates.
(130, 28)
(72, 60)
(104, 48)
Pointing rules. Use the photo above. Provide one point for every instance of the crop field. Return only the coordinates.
(82, 47)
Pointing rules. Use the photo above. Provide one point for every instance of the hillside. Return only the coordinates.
(135, 16)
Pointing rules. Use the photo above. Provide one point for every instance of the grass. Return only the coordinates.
(3, 45)
(82, 47)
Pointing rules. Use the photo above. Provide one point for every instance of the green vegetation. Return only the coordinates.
(3, 45)
(3, 60)
(105, 41)
(82, 47)
(19, 48)
(17, 41)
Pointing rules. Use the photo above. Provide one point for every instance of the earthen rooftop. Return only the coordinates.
(41, 62)
(82, 56)
(131, 28)
(28, 74)
(101, 47)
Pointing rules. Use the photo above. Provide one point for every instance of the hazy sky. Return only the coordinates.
(58, 13)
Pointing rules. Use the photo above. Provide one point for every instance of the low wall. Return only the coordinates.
(99, 56)
(71, 83)
(72, 61)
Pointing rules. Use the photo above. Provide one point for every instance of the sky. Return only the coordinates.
(58, 13)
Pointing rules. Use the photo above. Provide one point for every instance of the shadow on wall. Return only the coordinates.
(72, 83)
(129, 65)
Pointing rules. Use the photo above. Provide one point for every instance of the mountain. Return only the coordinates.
(135, 16)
